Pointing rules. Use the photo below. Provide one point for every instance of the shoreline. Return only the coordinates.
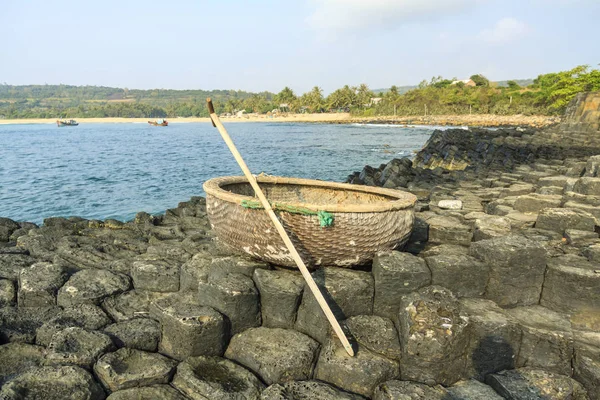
(473, 120)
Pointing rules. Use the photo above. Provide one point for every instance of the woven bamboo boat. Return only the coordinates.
(331, 224)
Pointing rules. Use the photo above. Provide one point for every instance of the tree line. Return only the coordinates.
(548, 94)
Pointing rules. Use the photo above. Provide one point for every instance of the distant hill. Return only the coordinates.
(401, 89)
(404, 89)
(520, 82)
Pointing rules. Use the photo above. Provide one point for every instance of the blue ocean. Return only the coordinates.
(100, 171)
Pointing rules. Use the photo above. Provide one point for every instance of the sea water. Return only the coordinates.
(101, 171)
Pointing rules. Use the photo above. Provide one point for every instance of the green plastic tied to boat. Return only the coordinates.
(325, 218)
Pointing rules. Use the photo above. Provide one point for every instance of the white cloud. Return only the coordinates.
(506, 30)
(337, 16)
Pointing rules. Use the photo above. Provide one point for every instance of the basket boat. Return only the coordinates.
(331, 224)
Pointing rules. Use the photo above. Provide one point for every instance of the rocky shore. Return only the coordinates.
(495, 296)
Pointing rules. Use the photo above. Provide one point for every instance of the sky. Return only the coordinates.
(257, 45)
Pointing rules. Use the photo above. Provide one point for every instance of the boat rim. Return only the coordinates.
(401, 200)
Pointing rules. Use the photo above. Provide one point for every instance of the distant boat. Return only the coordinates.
(65, 122)
(160, 122)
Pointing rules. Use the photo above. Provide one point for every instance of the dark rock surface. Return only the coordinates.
(53, 383)
(532, 384)
(203, 378)
(405, 390)
(276, 355)
(128, 368)
(154, 392)
(433, 337)
(359, 374)
(306, 390)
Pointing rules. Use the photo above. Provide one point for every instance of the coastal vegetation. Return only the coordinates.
(548, 94)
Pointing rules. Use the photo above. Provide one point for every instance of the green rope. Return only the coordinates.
(325, 218)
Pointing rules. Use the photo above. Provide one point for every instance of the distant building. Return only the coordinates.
(375, 100)
(467, 82)
(240, 113)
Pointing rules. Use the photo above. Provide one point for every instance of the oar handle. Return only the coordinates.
(286, 239)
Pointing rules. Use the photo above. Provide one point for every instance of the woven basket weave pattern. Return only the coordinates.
(353, 239)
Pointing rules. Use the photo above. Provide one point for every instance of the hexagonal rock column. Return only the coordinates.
(154, 392)
(7, 293)
(359, 374)
(131, 304)
(375, 333)
(572, 285)
(561, 219)
(86, 316)
(396, 390)
(396, 274)
(276, 355)
(155, 276)
(305, 390)
(464, 275)
(526, 383)
(16, 358)
(472, 390)
(589, 186)
(517, 267)
(449, 230)
(215, 378)
(235, 296)
(433, 337)
(137, 333)
(78, 346)
(91, 286)
(53, 383)
(587, 372)
(547, 340)
(189, 329)
(127, 368)
(495, 338)
(280, 294)
(39, 283)
(347, 292)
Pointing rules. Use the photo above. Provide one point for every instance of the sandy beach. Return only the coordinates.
(487, 120)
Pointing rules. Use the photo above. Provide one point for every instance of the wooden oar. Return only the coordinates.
(286, 239)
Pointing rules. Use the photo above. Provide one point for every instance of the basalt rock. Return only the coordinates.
(517, 267)
(235, 296)
(8, 294)
(154, 392)
(280, 295)
(16, 358)
(534, 384)
(138, 333)
(396, 274)
(547, 340)
(83, 315)
(347, 292)
(275, 355)
(128, 368)
(306, 390)
(78, 347)
(572, 285)
(472, 390)
(189, 329)
(405, 390)
(53, 383)
(215, 378)
(433, 336)
(359, 374)
(39, 283)
(91, 286)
